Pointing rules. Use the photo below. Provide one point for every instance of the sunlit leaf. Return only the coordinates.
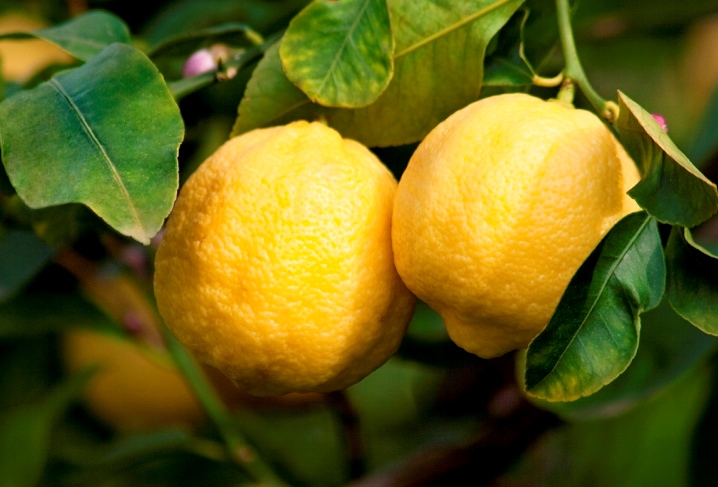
(593, 335)
(22, 255)
(340, 53)
(672, 190)
(428, 35)
(84, 36)
(105, 134)
(692, 281)
(25, 435)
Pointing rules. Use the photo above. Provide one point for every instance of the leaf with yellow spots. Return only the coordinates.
(438, 68)
(340, 53)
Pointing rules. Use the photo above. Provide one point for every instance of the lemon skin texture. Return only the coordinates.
(498, 207)
(136, 385)
(276, 266)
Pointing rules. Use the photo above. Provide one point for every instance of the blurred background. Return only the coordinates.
(89, 395)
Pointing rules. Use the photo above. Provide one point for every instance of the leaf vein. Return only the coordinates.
(342, 47)
(598, 295)
(110, 165)
(453, 27)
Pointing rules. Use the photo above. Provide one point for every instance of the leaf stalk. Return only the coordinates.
(239, 449)
(573, 69)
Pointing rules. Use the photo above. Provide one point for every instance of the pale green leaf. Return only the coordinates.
(340, 53)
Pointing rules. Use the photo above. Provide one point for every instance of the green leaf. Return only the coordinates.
(669, 347)
(184, 16)
(38, 313)
(25, 435)
(22, 255)
(233, 33)
(692, 281)
(340, 53)
(428, 36)
(185, 86)
(593, 335)
(270, 98)
(306, 443)
(705, 139)
(84, 36)
(105, 134)
(525, 42)
(652, 445)
(672, 190)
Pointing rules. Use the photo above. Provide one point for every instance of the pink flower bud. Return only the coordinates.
(198, 63)
(661, 121)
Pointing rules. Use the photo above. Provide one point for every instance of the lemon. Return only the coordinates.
(276, 266)
(136, 385)
(498, 207)
(22, 58)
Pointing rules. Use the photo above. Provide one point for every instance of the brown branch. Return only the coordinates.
(349, 420)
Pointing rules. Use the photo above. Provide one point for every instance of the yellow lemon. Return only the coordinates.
(136, 386)
(22, 58)
(276, 266)
(498, 207)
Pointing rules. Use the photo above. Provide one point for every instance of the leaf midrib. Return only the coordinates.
(350, 32)
(110, 165)
(453, 27)
(420, 44)
(594, 304)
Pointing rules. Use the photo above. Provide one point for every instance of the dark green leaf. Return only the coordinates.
(651, 445)
(33, 314)
(25, 435)
(307, 443)
(504, 72)
(137, 448)
(705, 140)
(232, 33)
(184, 16)
(270, 98)
(593, 335)
(507, 67)
(340, 53)
(428, 34)
(692, 281)
(704, 237)
(670, 346)
(672, 190)
(105, 134)
(22, 255)
(84, 36)
(185, 86)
